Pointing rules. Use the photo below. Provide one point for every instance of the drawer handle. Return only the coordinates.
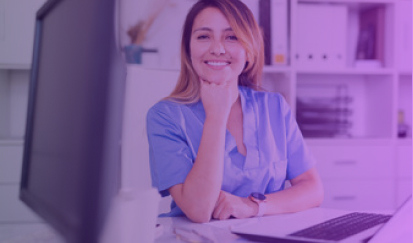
(345, 162)
(344, 198)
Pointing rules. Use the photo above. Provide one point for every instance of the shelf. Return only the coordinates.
(347, 71)
(277, 69)
(11, 141)
(347, 1)
(348, 141)
(346, 104)
(405, 72)
(16, 66)
(404, 141)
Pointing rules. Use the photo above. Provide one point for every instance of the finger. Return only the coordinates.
(219, 205)
(224, 210)
(219, 198)
(225, 213)
(216, 213)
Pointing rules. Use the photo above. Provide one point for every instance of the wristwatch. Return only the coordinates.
(261, 200)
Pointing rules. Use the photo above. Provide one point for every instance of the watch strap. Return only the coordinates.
(262, 205)
(261, 208)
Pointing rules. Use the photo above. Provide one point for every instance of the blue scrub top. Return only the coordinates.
(276, 151)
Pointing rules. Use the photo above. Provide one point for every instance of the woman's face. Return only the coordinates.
(216, 54)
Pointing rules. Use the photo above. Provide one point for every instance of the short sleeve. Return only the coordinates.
(169, 155)
(299, 157)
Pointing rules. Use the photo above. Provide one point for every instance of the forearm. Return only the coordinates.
(303, 194)
(198, 194)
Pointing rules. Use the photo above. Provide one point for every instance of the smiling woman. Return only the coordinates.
(221, 147)
(241, 28)
(217, 55)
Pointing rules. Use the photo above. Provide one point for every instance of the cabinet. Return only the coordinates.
(357, 175)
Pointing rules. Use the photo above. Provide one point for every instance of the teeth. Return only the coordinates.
(217, 63)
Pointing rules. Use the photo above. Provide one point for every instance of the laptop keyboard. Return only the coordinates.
(342, 227)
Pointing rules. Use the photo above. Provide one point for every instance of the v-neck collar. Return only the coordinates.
(249, 126)
(249, 129)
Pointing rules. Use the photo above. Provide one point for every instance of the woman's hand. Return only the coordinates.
(229, 205)
(217, 99)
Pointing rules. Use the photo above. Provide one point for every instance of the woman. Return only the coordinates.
(218, 145)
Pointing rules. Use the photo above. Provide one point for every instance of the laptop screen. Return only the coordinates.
(398, 228)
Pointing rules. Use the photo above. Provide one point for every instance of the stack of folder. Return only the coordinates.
(325, 116)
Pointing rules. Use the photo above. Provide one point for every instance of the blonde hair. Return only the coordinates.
(241, 20)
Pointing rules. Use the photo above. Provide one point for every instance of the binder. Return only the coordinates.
(265, 24)
(321, 36)
(371, 38)
(279, 32)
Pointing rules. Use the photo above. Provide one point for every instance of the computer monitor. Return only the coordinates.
(71, 161)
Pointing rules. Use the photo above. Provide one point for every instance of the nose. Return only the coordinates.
(217, 48)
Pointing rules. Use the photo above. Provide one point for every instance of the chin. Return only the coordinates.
(217, 79)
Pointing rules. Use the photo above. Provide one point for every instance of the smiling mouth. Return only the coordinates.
(217, 64)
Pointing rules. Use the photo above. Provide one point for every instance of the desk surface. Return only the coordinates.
(181, 229)
(215, 231)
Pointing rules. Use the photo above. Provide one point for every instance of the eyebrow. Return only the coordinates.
(209, 29)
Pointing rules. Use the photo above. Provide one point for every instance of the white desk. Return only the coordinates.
(215, 231)
(219, 231)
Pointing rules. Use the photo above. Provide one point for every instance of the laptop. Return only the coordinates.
(321, 225)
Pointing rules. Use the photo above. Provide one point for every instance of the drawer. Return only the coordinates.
(404, 190)
(12, 209)
(359, 194)
(11, 160)
(404, 161)
(360, 162)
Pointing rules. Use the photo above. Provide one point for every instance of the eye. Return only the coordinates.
(232, 37)
(202, 37)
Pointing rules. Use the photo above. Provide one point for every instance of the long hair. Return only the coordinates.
(242, 22)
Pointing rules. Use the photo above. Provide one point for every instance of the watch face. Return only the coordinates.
(258, 196)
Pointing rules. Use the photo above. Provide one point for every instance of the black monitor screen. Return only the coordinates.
(71, 161)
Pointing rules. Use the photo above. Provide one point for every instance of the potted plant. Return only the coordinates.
(137, 34)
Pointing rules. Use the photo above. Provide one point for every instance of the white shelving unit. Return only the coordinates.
(371, 168)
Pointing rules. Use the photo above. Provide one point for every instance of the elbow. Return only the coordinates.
(199, 216)
(319, 195)
(199, 212)
(317, 190)
(201, 219)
